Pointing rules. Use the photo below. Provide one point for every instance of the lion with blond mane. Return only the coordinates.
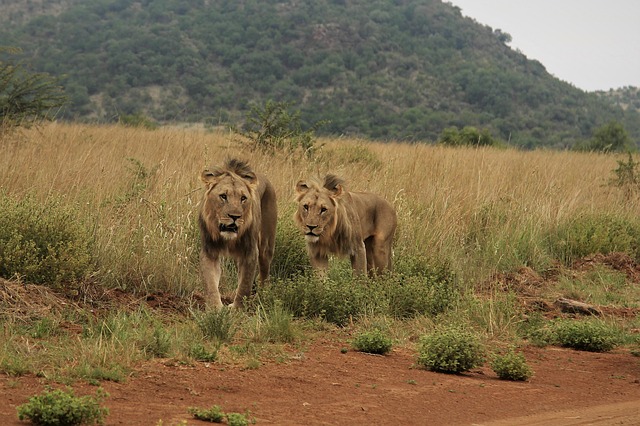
(360, 225)
(238, 218)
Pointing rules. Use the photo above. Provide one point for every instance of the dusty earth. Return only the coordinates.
(318, 384)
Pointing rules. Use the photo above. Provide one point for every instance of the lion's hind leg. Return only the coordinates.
(382, 254)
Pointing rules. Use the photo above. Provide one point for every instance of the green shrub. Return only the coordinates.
(201, 352)
(216, 415)
(43, 242)
(408, 296)
(450, 350)
(272, 128)
(273, 324)
(373, 342)
(591, 335)
(511, 366)
(335, 301)
(59, 407)
(213, 414)
(595, 233)
(220, 324)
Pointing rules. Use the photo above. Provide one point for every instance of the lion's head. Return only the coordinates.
(318, 207)
(229, 204)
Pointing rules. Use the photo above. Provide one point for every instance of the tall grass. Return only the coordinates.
(475, 210)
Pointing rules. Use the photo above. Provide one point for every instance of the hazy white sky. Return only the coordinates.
(592, 44)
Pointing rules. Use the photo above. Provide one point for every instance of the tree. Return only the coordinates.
(25, 96)
(612, 137)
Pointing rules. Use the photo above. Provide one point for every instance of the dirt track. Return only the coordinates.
(322, 386)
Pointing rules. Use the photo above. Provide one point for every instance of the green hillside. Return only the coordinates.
(382, 69)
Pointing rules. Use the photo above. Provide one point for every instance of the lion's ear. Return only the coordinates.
(337, 190)
(210, 176)
(302, 187)
(250, 177)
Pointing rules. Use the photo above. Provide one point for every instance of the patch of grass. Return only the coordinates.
(511, 365)
(203, 352)
(216, 415)
(62, 407)
(591, 335)
(587, 234)
(600, 286)
(374, 341)
(450, 349)
(220, 324)
(273, 324)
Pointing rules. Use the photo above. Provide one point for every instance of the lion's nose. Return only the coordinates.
(312, 227)
(234, 217)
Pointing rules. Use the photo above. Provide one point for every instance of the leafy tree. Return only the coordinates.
(467, 136)
(612, 137)
(273, 128)
(26, 96)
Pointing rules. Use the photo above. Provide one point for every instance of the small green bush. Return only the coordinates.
(213, 414)
(62, 407)
(591, 335)
(216, 415)
(511, 366)
(450, 350)
(43, 242)
(200, 352)
(220, 324)
(373, 342)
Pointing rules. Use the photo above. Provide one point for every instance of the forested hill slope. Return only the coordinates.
(384, 69)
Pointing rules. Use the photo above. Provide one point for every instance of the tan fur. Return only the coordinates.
(237, 219)
(360, 225)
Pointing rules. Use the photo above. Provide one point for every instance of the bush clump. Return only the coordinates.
(511, 366)
(373, 342)
(62, 407)
(43, 242)
(450, 350)
(591, 335)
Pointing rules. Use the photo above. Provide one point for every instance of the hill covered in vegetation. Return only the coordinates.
(380, 69)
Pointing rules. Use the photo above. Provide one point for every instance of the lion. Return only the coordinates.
(360, 225)
(237, 219)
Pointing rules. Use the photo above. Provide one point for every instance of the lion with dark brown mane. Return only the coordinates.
(360, 225)
(237, 219)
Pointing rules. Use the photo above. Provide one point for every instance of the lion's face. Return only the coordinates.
(227, 204)
(316, 214)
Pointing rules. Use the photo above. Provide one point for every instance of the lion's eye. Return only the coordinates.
(243, 199)
(306, 207)
(323, 209)
(223, 197)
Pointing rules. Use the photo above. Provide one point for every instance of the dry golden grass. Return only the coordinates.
(143, 187)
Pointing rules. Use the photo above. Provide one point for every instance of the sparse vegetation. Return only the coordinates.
(475, 233)
(216, 415)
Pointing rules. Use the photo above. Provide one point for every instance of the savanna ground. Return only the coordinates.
(495, 239)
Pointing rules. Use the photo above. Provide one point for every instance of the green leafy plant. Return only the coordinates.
(43, 242)
(26, 96)
(213, 414)
(216, 415)
(450, 350)
(62, 407)
(273, 128)
(511, 366)
(200, 352)
(374, 342)
(627, 176)
(591, 335)
(220, 324)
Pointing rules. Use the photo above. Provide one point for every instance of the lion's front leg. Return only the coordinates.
(359, 260)
(320, 263)
(246, 276)
(211, 271)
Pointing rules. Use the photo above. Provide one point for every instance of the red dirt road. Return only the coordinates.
(322, 386)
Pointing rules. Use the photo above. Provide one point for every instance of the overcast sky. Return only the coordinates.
(592, 44)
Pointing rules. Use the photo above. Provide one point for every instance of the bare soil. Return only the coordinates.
(321, 385)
